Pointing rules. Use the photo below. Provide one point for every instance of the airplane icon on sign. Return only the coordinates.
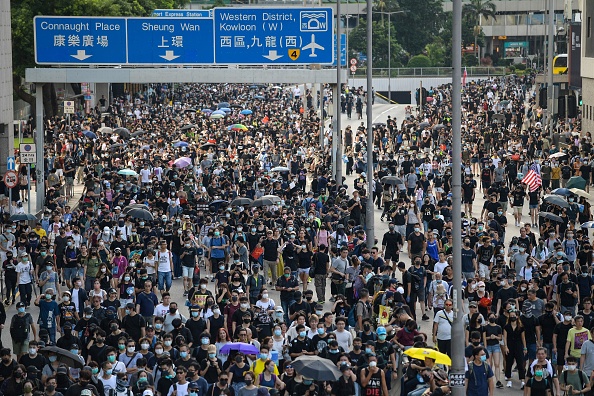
(313, 46)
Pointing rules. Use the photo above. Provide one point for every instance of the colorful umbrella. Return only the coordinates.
(242, 347)
(183, 162)
(237, 127)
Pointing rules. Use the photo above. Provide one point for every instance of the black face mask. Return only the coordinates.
(366, 327)
(491, 320)
(172, 310)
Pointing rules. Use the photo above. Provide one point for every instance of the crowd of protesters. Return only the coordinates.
(226, 190)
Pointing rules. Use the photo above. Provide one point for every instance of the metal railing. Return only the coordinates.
(431, 71)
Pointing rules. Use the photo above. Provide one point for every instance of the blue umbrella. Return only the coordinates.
(206, 110)
(180, 144)
(246, 112)
(588, 224)
(562, 191)
(223, 104)
(226, 109)
(219, 112)
(90, 134)
(259, 97)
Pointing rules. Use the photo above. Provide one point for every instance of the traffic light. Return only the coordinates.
(542, 97)
(580, 102)
(571, 106)
(561, 107)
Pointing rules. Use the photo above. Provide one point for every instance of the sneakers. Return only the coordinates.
(186, 293)
(499, 385)
(509, 384)
(425, 317)
(523, 383)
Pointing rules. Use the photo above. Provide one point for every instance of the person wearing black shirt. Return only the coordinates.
(299, 306)
(302, 344)
(270, 246)
(133, 323)
(391, 244)
(427, 210)
(189, 261)
(561, 330)
(468, 195)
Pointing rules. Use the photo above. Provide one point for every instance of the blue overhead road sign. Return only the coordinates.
(170, 41)
(80, 40)
(274, 35)
(183, 13)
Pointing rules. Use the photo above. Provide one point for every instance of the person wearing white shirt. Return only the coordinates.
(343, 337)
(145, 174)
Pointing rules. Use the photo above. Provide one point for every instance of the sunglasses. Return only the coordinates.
(289, 367)
(448, 305)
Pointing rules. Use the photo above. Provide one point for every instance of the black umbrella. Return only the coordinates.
(123, 132)
(22, 217)
(438, 126)
(378, 124)
(316, 368)
(240, 201)
(137, 133)
(206, 146)
(424, 124)
(219, 202)
(236, 106)
(551, 216)
(392, 180)
(190, 110)
(134, 206)
(141, 214)
(64, 356)
(262, 202)
(189, 126)
(115, 146)
(556, 200)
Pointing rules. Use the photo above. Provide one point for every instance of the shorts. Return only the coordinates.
(518, 209)
(484, 271)
(531, 351)
(20, 348)
(438, 190)
(418, 295)
(71, 273)
(303, 270)
(187, 272)
(393, 256)
(124, 301)
(533, 206)
(486, 184)
(467, 200)
(69, 181)
(503, 206)
(493, 349)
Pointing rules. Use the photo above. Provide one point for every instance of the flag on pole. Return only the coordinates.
(464, 77)
(532, 180)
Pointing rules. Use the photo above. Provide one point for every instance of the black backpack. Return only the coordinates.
(19, 329)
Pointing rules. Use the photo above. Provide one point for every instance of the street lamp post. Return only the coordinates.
(389, 14)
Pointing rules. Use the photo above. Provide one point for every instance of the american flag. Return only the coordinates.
(532, 180)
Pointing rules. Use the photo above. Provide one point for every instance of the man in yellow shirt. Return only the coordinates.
(39, 231)
(576, 337)
(259, 366)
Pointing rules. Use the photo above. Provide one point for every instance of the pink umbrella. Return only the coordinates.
(183, 162)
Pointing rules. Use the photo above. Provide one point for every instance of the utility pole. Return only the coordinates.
(551, 54)
(370, 222)
(458, 342)
(338, 129)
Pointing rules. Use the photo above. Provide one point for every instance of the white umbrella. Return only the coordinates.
(557, 155)
(106, 130)
(581, 193)
(280, 169)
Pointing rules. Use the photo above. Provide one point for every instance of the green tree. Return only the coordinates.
(474, 11)
(23, 12)
(436, 52)
(381, 41)
(419, 26)
(419, 61)
(446, 35)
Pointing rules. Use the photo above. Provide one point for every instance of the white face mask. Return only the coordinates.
(158, 351)
(567, 318)
(571, 367)
(144, 346)
(265, 295)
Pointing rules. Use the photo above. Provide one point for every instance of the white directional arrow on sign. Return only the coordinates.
(169, 55)
(81, 55)
(272, 55)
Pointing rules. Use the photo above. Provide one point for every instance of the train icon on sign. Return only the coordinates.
(313, 21)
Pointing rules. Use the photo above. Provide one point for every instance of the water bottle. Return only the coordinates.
(274, 356)
(554, 358)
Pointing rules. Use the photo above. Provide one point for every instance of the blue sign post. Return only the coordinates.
(80, 40)
(274, 36)
(170, 41)
(343, 50)
(10, 163)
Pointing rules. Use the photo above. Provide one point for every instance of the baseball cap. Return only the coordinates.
(20, 305)
(381, 330)
(149, 392)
